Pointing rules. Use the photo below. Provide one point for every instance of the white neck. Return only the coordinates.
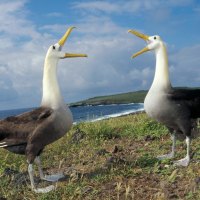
(161, 77)
(51, 92)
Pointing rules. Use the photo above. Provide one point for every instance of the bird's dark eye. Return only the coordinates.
(54, 47)
(154, 38)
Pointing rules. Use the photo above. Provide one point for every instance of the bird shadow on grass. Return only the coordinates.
(16, 178)
(22, 178)
(146, 161)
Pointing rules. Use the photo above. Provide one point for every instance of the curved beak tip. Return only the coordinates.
(65, 36)
(72, 27)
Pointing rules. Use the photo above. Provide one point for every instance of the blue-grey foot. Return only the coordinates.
(44, 190)
(50, 178)
(34, 188)
(53, 177)
(169, 155)
(183, 162)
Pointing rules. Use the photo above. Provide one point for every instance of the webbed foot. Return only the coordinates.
(182, 162)
(53, 177)
(166, 156)
(44, 190)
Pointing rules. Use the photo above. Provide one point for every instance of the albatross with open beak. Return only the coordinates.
(175, 108)
(30, 132)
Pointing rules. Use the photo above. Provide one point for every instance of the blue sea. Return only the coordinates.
(89, 113)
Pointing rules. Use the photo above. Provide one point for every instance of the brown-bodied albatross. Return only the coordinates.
(175, 108)
(30, 132)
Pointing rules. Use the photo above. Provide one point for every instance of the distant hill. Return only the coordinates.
(129, 97)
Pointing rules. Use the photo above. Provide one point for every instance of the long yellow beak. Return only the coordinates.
(140, 52)
(65, 36)
(62, 42)
(74, 55)
(142, 36)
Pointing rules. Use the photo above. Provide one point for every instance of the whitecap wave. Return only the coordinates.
(116, 115)
(92, 117)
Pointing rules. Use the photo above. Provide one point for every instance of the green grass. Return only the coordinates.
(109, 159)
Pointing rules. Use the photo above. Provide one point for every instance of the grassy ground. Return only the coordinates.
(110, 159)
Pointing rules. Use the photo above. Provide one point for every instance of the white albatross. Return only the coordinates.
(30, 132)
(175, 108)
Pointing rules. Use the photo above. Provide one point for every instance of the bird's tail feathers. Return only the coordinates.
(3, 144)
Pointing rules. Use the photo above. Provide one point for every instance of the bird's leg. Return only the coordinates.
(185, 161)
(50, 178)
(37, 190)
(170, 155)
(38, 162)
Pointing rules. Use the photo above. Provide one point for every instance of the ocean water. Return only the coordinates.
(88, 113)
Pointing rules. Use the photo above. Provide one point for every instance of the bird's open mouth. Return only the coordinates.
(142, 36)
(62, 41)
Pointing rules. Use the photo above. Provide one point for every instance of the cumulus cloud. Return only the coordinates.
(13, 20)
(108, 68)
(98, 6)
(21, 57)
(129, 6)
(186, 67)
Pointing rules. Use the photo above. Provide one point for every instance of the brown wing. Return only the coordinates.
(15, 130)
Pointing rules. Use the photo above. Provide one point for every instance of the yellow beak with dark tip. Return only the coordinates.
(142, 36)
(62, 42)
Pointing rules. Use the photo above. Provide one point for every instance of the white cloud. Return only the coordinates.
(128, 6)
(21, 56)
(97, 6)
(13, 20)
(108, 68)
(186, 68)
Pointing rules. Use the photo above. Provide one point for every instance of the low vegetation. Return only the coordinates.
(112, 159)
(130, 97)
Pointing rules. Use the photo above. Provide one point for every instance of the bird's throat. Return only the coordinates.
(161, 77)
(51, 91)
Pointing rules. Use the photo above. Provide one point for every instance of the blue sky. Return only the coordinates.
(28, 27)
